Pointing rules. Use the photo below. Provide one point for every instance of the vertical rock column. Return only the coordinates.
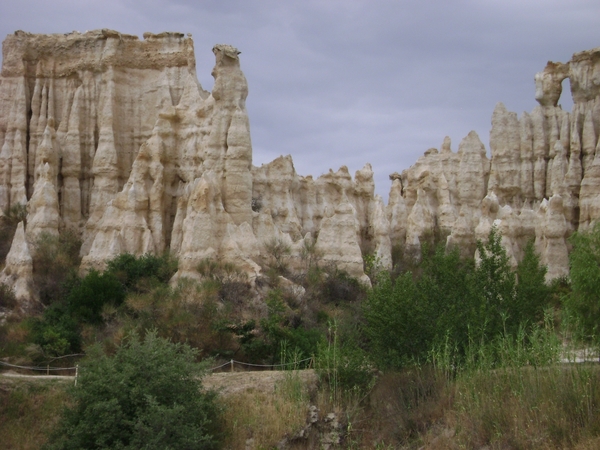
(105, 165)
(71, 166)
(13, 155)
(232, 132)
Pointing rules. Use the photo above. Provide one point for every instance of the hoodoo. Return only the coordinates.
(114, 138)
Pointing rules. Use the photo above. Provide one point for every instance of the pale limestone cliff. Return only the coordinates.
(18, 270)
(113, 137)
(545, 161)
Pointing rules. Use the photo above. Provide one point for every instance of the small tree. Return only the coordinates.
(142, 273)
(533, 294)
(148, 395)
(55, 263)
(583, 305)
(494, 284)
(87, 298)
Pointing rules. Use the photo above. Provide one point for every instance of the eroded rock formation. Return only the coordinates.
(113, 137)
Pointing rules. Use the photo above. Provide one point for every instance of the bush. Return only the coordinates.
(494, 284)
(533, 295)
(148, 395)
(583, 305)
(188, 313)
(55, 262)
(87, 298)
(141, 274)
(277, 331)
(56, 332)
(7, 297)
(339, 287)
(451, 301)
(343, 364)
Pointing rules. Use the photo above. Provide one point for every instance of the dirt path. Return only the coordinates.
(265, 381)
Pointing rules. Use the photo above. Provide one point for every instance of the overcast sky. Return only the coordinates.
(346, 82)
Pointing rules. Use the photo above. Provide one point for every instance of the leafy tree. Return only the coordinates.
(405, 318)
(583, 305)
(148, 395)
(55, 263)
(275, 332)
(494, 284)
(533, 295)
(397, 322)
(142, 273)
(56, 332)
(87, 298)
(449, 300)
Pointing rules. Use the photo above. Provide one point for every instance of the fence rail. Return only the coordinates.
(231, 363)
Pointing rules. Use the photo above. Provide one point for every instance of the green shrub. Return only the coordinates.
(7, 297)
(187, 313)
(345, 366)
(56, 331)
(55, 262)
(141, 274)
(583, 305)
(148, 395)
(450, 301)
(87, 298)
(264, 343)
(533, 295)
(339, 287)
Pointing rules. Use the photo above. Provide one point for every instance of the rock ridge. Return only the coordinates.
(113, 137)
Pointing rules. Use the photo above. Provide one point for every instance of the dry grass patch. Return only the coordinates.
(261, 418)
(29, 409)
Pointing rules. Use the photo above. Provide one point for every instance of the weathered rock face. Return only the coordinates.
(113, 137)
(542, 182)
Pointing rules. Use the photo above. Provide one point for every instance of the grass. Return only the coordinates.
(265, 418)
(511, 393)
(550, 407)
(29, 410)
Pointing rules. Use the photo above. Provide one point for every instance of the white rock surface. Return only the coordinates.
(113, 136)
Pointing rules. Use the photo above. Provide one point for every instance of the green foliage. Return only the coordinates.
(338, 287)
(140, 274)
(7, 297)
(494, 288)
(55, 261)
(148, 395)
(87, 298)
(343, 363)
(277, 331)
(278, 252)
(583, 305)
(56, 332)
(405, 317)
(533, 295)
(188, 313)
(452, 302)
(398, 325)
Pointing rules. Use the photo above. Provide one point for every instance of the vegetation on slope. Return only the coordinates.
(443, 351)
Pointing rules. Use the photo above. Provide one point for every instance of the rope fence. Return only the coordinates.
(44, 369)
(231, 363)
